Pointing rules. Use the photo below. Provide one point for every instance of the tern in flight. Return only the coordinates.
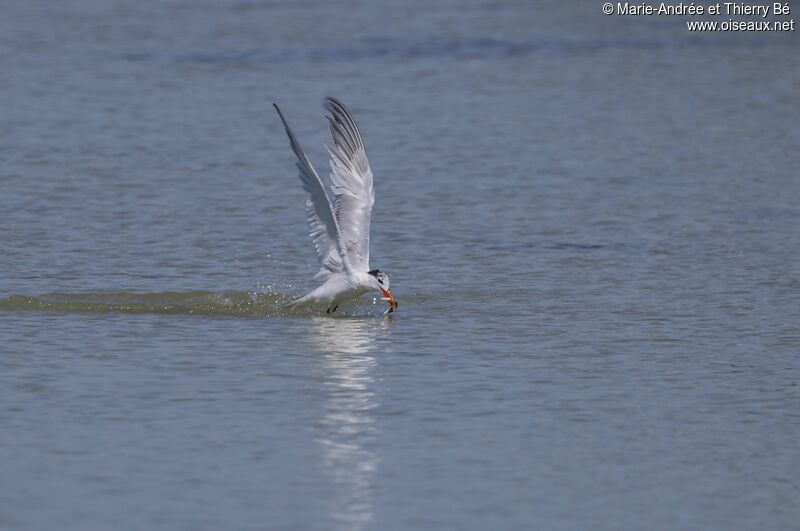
(340, 230)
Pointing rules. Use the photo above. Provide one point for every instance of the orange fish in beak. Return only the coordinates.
(387, 296)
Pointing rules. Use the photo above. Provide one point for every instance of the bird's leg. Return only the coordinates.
(328, 311)
(335, 308)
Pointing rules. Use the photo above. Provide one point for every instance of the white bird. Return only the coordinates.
(340, 231)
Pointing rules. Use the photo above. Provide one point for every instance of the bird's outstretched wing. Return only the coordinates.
(351, 183)
(324, 227)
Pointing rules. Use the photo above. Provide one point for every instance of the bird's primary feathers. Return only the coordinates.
(340, 230)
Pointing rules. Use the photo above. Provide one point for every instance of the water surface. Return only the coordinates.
(590, 223)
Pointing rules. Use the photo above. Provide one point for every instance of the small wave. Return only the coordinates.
(228, 303)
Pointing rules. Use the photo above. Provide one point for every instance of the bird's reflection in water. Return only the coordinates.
(348, 367)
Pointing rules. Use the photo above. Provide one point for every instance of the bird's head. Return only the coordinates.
(381, 283)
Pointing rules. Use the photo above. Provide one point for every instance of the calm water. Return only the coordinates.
(591, 225)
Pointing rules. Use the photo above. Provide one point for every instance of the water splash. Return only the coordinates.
(227, 303)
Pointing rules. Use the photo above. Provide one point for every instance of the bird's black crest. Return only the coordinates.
(374, 272)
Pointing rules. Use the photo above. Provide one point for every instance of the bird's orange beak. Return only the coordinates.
(389, 297)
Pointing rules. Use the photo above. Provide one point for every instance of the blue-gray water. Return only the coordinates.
(591, 224)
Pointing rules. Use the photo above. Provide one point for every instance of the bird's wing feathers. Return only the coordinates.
(351, 183)
(324, 228)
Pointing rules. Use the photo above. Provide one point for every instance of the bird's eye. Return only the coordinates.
(380, 281)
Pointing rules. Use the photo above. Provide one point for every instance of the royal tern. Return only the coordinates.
(340, 231)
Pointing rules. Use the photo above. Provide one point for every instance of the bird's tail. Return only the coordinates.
(290, 304)
(296, 303)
